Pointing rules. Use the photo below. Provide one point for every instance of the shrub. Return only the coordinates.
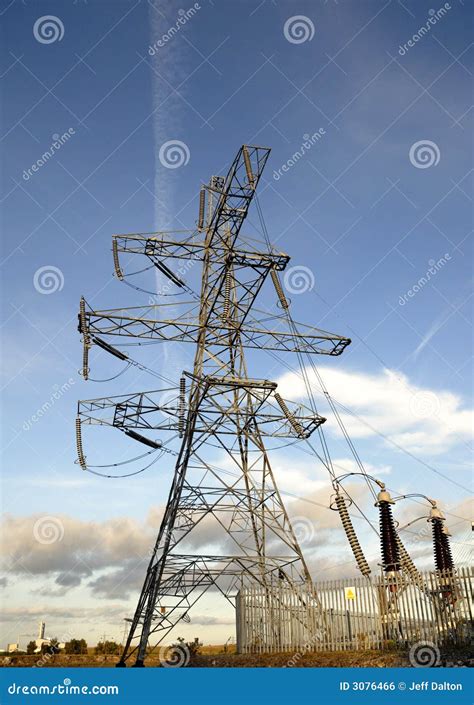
(107, 647)
(76, 646)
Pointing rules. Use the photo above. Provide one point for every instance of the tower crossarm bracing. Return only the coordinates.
(140, 323)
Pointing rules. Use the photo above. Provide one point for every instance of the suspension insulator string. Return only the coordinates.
(85, 338)
(118, 269)
(227, 288)
(182, 406)
(297, 427)
(202, 206)
(351, 535)
(279, 290)
(248, 166)
(80, 452)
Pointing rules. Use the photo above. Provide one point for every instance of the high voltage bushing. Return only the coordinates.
(202, 206)
(279, 290)
(182, 405)
(85, 338)
(388, 536)
(298, 428)
(118, 269)
(80, 452)
(351, 535)
(442, 550)
(248, 166)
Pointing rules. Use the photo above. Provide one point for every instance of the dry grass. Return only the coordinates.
(213, 656)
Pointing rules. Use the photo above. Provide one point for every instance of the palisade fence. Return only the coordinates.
(358, 613)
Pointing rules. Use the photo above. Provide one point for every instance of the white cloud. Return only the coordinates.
(70, 550)
(206, 620)
(419, 419)
(78, 614)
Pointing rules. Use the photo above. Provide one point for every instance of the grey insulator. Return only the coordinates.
(406, 562)
(80, 452)
(279, 290)
(351, 536)
(248, 166)
(118, 270)
(182, 405)
(85, 338)
(297, 427)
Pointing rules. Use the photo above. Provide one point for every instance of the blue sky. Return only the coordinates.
(364, 219)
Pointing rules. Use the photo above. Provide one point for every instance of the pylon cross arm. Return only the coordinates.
(162, 410)
(159, 248)
(129, 323)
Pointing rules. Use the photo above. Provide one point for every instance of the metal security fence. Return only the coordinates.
(357, 613)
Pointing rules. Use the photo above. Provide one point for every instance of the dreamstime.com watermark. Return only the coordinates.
(434, 17)
(48, 530)
(173, 154)
(57, 143)
(51, 651)
(48, 29)
(308, 142)
(175, 656)
(298, 279)
(64, 688)
(183, 17)
(48, 279)
(308, 646)
(58, 392)
(424, 654)
(433, 270)
(425, 404)
(304, 530)
(424, 154)
(298, 29)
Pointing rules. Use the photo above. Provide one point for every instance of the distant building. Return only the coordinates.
(42, 641)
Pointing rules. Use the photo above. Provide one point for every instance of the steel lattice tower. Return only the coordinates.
(218, 404)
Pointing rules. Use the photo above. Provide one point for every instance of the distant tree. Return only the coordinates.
(107, 647)
(30, 649)
(51, 648)
(76, 646)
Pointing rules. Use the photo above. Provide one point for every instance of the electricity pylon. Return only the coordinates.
(217, 404)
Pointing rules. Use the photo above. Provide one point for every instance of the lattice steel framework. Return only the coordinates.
(216, 404)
